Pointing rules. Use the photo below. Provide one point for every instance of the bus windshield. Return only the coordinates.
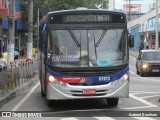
(87, 47)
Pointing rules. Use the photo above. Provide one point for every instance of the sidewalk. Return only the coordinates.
(24, 81)
(134, 53)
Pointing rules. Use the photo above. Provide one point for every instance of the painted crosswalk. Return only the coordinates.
(108, 118)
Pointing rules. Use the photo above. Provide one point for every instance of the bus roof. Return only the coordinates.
(42, 21)
(86, 10)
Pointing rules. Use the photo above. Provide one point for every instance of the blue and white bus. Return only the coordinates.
(85, 55)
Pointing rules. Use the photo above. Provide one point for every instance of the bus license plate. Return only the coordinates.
(88, 91)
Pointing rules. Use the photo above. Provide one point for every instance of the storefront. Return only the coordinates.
(146, 30)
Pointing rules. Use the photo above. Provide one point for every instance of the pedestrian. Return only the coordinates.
(147, 45)
(2, 62)
(141, 46)
(152, 44)
(29, 60)
(16, 55)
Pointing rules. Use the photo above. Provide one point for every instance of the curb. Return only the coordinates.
(15, 92)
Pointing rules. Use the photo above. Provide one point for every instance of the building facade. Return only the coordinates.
(20, 24)
(3, 13)
(144, 29)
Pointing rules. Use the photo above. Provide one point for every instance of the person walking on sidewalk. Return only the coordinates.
(141, 46)
(2, 62)
(152, 44)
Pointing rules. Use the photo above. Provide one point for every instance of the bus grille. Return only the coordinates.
(85, 84)
(88, 73)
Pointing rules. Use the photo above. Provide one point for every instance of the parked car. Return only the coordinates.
(148, 62)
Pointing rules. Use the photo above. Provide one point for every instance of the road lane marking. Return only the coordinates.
(144, 118)
(142, 100)
(99, 110)
(26, 97)
(144, 78)
(140, 107)
(145, 97)
(69, 118)
(104, 118)
(132, 57)
(141, 92)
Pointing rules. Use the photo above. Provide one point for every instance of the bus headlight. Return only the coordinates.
(55, 81)
(121, 80)
(51, 78)
(125, 76)
(145, 65)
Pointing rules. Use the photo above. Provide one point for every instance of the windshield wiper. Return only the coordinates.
(102, 35)
(95, 45)
(73, 37)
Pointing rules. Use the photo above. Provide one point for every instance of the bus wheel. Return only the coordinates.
(112, 101)
(42, 92)
(49, 103)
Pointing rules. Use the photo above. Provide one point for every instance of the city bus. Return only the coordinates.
(84, 55)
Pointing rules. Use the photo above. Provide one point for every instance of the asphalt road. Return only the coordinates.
(144, 96)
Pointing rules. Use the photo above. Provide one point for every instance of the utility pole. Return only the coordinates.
(38, 29)
(129, 10)
(30, 30)
(157, 27)
(11, 37)
(107, 4)
(113, 4)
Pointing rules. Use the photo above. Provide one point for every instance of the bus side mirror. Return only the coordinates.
(131, 41)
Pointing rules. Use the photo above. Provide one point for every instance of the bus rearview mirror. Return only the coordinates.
(131, 41)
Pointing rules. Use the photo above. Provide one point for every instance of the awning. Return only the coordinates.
(4, 12)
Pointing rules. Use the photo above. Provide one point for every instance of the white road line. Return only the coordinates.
(144, 78)
(145, 97)
(142, 100)
(26, 97)
(104, 118)
(132, 57)
(69, 118)
(144, 118)
(140, 107)
(141, 92)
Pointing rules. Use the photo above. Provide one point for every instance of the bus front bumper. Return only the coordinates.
(110, 90)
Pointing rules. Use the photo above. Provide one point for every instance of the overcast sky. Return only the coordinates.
(144, 4)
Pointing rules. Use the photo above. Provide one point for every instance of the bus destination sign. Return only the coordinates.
(87, 18)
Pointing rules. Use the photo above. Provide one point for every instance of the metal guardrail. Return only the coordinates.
(15, 75)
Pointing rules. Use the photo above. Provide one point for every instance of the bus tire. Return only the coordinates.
(112, 101)
(49, 103)
(137, 72)
(42, 92)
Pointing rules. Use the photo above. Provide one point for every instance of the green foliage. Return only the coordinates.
(53, 5)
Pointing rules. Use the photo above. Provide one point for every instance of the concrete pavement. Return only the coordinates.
(133, 54)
